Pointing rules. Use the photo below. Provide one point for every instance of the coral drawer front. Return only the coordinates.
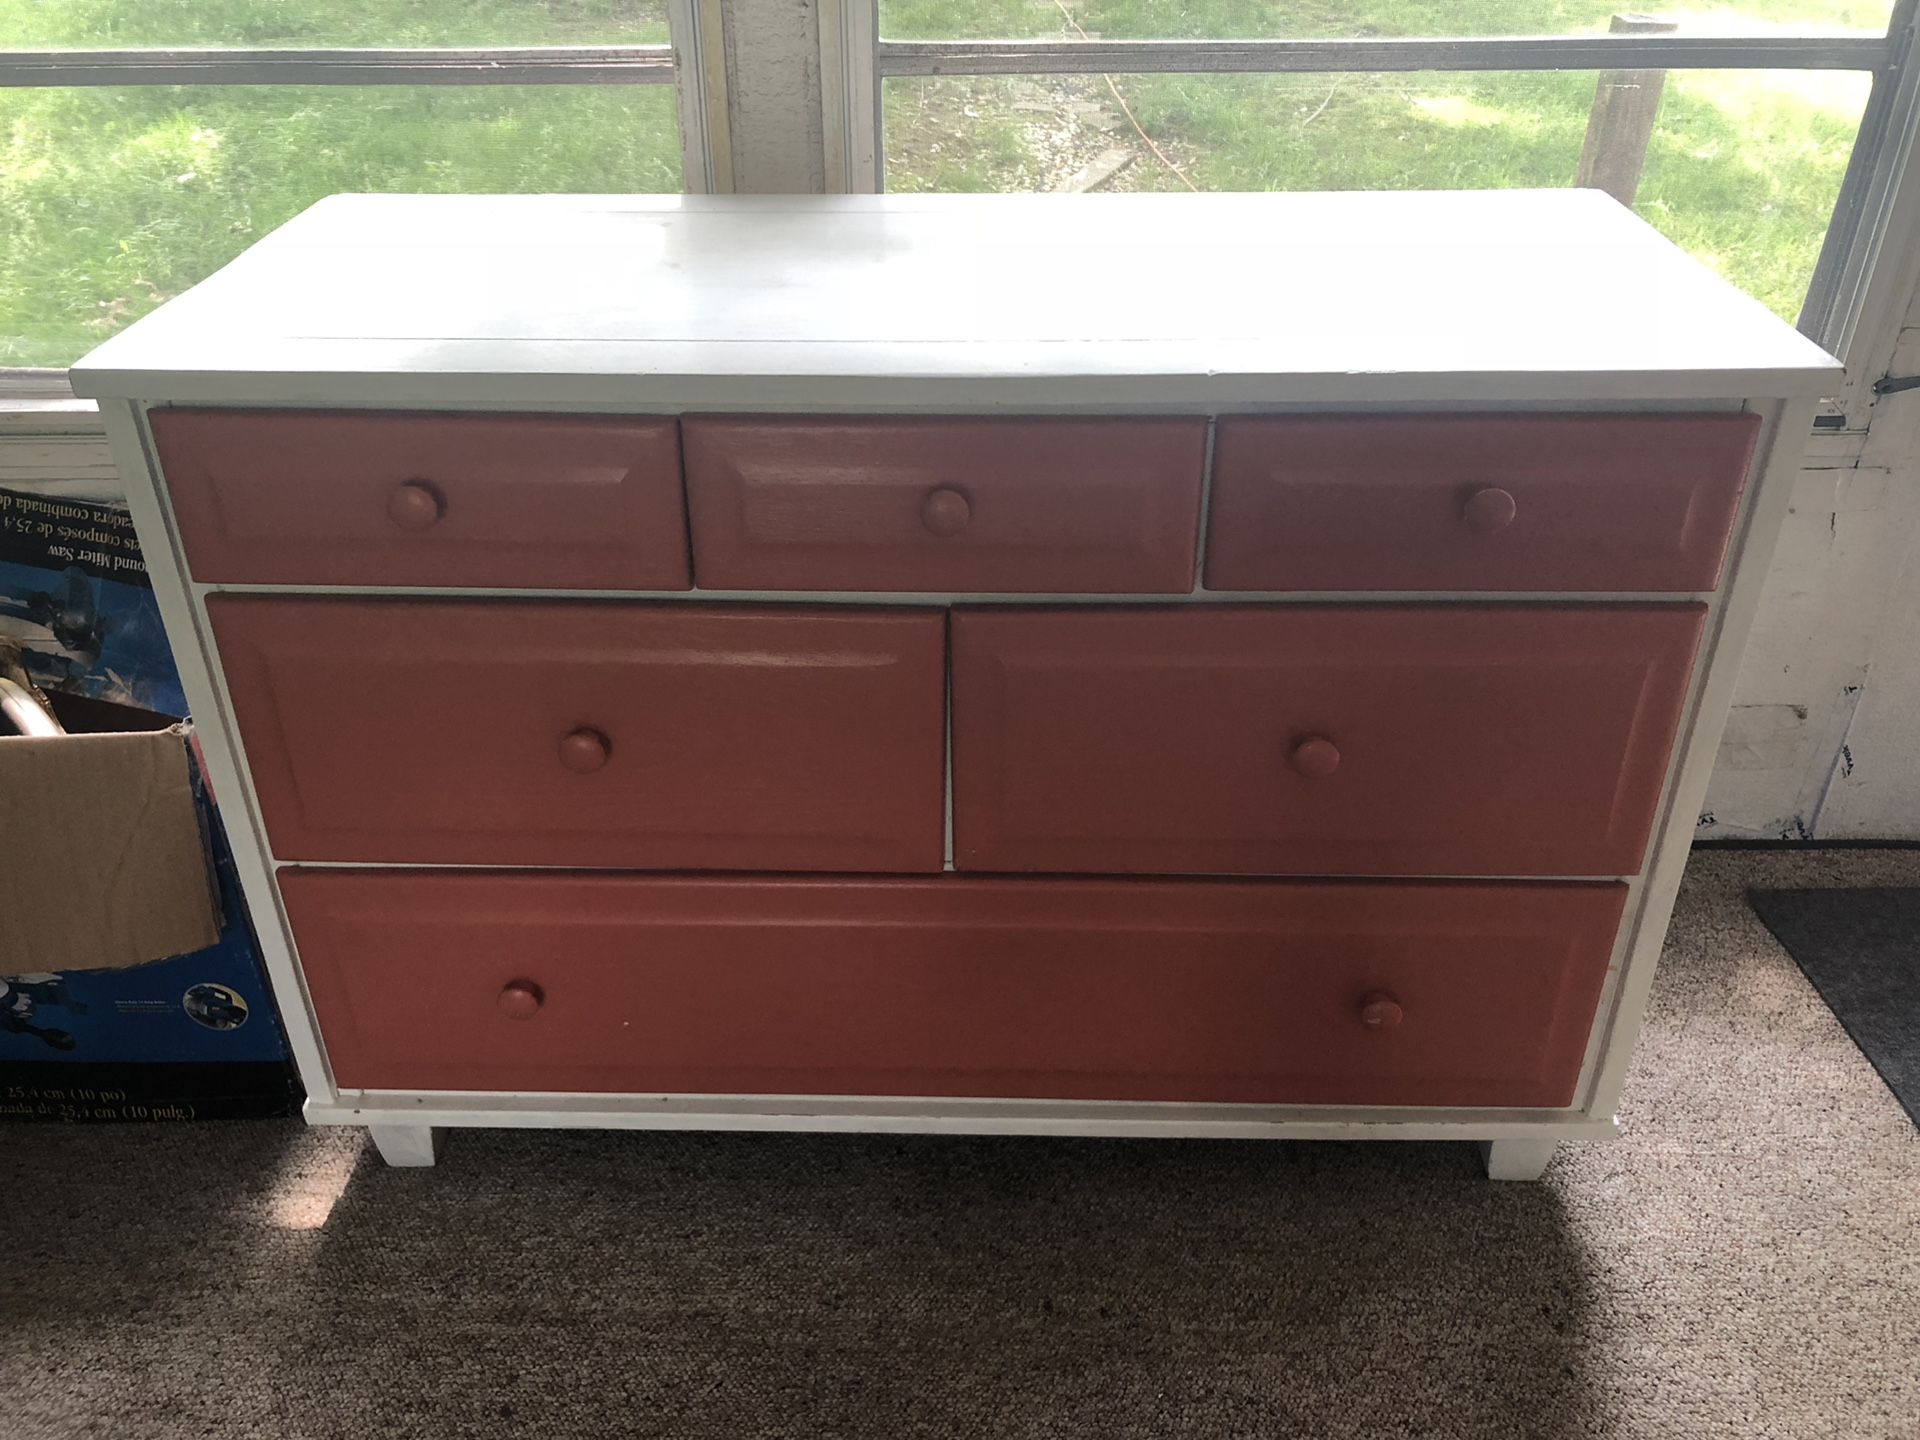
(1471, 502)
(1050, 505)
(1363, 994)
(497, 501)
(590, 734)
(1471, 740)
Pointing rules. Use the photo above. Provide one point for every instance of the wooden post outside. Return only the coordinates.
(1625, 105)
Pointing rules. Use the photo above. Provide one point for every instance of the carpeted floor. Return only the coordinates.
(1744, 1262)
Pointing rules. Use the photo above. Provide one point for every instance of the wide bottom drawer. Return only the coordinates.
(1338, 993)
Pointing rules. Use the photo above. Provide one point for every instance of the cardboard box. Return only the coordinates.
(86, 1033)
(194, 1037)
(130, 980)
(108, 864)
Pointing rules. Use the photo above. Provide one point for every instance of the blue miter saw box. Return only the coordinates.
(91, 1026)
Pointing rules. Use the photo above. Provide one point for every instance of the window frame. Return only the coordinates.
(1869, 261)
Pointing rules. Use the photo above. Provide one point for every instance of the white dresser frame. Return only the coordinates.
(1488, 302)
(1517, 1143)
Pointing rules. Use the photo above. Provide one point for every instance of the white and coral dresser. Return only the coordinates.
(1131, 665)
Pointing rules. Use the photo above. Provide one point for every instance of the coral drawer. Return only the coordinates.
(1469, 740)
(590, 734)
(1359, 994)
(1475, 502)
(1030, 504)
(499, 501)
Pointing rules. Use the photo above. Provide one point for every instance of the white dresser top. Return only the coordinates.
(1021, 302)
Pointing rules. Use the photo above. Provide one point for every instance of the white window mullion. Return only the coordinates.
(697, 28)
(850, 96)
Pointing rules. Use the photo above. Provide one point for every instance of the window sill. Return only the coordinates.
(42, 400)
(51, 440)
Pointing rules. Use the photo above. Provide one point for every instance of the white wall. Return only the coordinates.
(1824, 738)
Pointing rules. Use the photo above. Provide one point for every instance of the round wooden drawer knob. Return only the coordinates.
(415, 506)
(1489, 511)
(521, 1000)
(945, 513)
(584, 751)
(1316, 758)
(1380, 1011)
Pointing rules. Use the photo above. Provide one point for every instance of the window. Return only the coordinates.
(142, 146)
(1764, 136)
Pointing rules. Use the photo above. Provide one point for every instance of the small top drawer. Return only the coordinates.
(350, 498)
(1031, 505)
(1475, 502)
(582, 733)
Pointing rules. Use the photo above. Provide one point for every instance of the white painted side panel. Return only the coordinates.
(1875, 790)
(1729, 624)
(1825, 606)
(1823, 742)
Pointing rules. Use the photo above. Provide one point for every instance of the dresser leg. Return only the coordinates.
(407, 1144)
(1516, 1159)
